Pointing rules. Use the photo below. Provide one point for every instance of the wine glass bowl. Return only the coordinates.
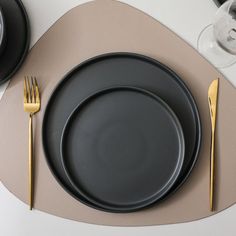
(224, 26)
(217, 42)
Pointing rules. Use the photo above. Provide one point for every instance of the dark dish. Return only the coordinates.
(119, 69)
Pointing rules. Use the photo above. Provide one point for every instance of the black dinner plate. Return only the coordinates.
(122, 148)
(118, 69)
(17, 38)
(2, 32)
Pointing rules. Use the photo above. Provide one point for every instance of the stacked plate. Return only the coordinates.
(121, 132)
(14, 37)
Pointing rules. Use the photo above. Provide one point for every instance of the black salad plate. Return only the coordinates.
(114, 70)
(122, 148)
(17, 38)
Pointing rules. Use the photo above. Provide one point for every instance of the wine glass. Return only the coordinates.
(217, 42)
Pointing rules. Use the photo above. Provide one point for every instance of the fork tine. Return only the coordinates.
(35, 81)
(37, 91)
(28, 89)
(25, 91)
(32, 90)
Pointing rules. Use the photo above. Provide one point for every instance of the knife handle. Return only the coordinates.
(212, 171)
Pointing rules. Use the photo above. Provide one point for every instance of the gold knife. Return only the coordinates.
(212, 100)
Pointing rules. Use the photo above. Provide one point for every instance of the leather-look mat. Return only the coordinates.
(108, 26)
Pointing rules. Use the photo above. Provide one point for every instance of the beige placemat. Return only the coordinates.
(86, 31)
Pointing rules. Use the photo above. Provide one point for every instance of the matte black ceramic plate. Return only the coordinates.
(2, 32)
(118, 69)
(17, 38)
(122, 148)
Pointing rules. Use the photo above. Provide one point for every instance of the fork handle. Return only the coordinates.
(31, 186)
(212, 171)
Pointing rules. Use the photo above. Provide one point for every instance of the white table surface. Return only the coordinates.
(185, 17)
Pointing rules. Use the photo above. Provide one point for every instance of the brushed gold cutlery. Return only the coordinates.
(31, 106)
(212, 100)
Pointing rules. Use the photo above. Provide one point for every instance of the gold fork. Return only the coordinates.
(32, 106)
